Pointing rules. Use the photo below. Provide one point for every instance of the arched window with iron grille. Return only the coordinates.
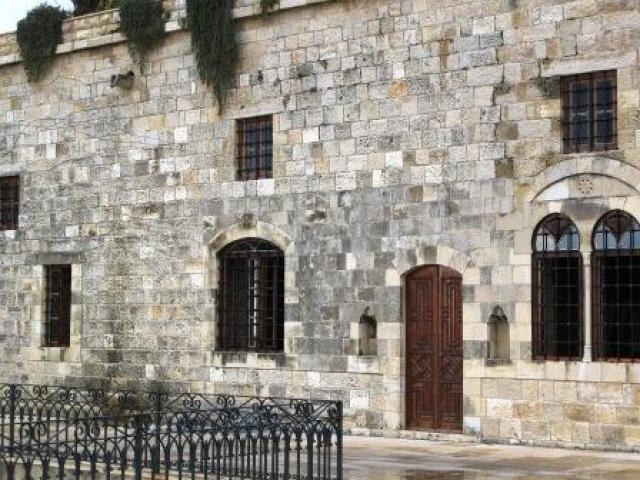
(251, 296)
(615, 270)
(557, 290)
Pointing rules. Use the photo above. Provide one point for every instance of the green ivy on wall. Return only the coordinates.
(142, 23)
(266, 5)
(39, 34)
(213, 37)
(109, 4)
(83, 7)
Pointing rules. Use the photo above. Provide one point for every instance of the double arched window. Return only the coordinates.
(251, 296)
(615, 270)
(558, 289)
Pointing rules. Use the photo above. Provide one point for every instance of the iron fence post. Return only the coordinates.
(156, 450)
(138, 446)
(13, 392)
(339, 441)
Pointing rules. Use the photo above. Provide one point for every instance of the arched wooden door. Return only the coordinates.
(434, 349)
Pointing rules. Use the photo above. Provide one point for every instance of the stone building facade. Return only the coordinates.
(406, 133)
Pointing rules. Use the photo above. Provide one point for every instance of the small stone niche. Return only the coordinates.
(367, 334)
(499, 347)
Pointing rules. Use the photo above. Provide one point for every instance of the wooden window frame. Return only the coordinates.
(572, 145)
(540, 347)
(254, 148)
(246, 324)
(600, 254)
(57, 306)
(9, 202)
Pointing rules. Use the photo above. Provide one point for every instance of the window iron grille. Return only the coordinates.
(57, 306)
(254, 148)
(589, 104)
(616, 287)
(557, 290)
(251, 296)
(9, 202)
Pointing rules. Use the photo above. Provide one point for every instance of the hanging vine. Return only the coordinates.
(39, 34)
(83, 7)
(109, 4)
(213, 37)
(142, 23)
(266, 5)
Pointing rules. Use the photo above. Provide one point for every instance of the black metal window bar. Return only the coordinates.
(251, 296)
(589, 103)
(254, 148)
(557, 290)
(9, 202)
(57, 314)
(57, 432)
(615, 270)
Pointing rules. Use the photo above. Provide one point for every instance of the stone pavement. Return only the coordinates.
(398, 459)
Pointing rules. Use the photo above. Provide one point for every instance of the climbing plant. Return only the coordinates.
(213, 37)
(266, 5)
(82, 7)
(109, 4)
(39, 34)
(142, 23)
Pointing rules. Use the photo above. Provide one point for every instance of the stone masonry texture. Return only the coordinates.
(406, 133)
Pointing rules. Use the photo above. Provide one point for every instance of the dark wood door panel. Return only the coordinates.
(434, 349)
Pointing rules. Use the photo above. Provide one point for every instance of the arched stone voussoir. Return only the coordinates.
(238, 231)
(443, 255)
(596, 165)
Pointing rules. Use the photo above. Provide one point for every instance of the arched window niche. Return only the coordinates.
(498, 351)
(615, 270)
(557, 290)
(251, 296)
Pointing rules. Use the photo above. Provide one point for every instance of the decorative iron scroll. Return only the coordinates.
(56, 432)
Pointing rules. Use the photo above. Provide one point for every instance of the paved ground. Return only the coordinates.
(395, 459)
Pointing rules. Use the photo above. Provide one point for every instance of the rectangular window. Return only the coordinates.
(557, 303)
(9, 202)
(254, 148)
(589, 104)
(616, 312)
(57, 315)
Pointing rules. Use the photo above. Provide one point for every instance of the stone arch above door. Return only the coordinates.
(442, 255)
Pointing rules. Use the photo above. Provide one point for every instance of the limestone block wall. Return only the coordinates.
(406, 132)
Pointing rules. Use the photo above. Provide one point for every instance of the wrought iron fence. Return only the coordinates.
(57, 432)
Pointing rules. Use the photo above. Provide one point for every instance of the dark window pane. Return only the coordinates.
(9, 202)
(254, 148)
(616, 287)
(557, 289)
(57, 305)
(589, 106)
(556, 233)
(251, 296)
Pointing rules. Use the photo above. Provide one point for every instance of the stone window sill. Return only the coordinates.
(9, 233)
(223, 358)
(496, 362)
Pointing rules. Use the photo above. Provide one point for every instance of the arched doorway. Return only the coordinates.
(434, 349)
